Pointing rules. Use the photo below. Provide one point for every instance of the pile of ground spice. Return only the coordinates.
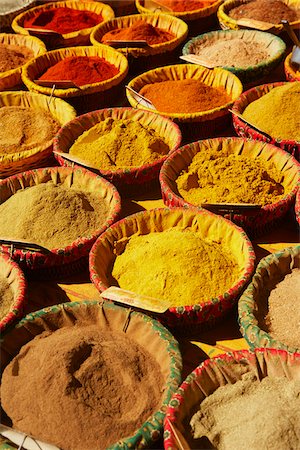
(13, 56)
(63, 20)
(185, 5)
(6, 297)
(216, 176)
(184, 96)
(140, 30)
(115, 144)
(235, 416)
(170, 260)
(236, 52)
(283, 318)
(52, 215)
(101, 385)
(24, 128)
(272, 11)
(277, 112)
(81, 70)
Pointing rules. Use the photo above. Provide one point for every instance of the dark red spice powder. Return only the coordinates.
(81, 70)
(63, 20)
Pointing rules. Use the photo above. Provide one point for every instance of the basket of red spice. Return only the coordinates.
(291, 70)
(12, 292)
(173, 245)
(193, 96)
(163, 34)
(232, 170)
(198, 14)
(164, 137)
(58, 212)
(232, 401)
(92, 70)
(71, 21)
(271, 115)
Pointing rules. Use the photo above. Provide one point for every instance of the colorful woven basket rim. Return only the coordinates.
(182, 150)
(19, 301)
(297, 206)
(174, 378)
(132, 170)
(232, 292)
(188, 15)
(241, 103)
(200, 114)
(281, 47)
(81, 241)
(246, 314)
(289, 69)
(235, 355)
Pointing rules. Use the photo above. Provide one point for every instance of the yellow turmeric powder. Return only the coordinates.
(176, 265)
(277, 112)
(217, 176)
(117, 144)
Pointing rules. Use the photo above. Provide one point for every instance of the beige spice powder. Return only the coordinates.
(6, 297)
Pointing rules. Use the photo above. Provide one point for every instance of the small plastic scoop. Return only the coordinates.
(76, 160)
(195, 59)
(143, 101)
(156, 6)
(296, 50)
(24, 441)
(59, 84)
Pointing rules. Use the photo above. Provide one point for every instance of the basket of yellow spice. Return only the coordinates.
(92, 70)
(200, 15)
(241, 399)
(163, 34)
(196, 262)
(233, 171)
(98, 364)
(125, 145)
(71, 21)
(193, 96)
(12, 292)
(272, 111)
(28, 124)
(61, 211)
(269, 311)
(15, 51)
(292, 70)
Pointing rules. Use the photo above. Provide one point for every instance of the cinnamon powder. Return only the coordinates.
(13, 56)
(6, 297)
(81, 387)
(272, 11)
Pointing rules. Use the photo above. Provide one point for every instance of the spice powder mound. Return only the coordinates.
(6, 297)
(235, 416)
(13, 56)
(272, 11)
(141, 30)
(52, 215)
(101, 385)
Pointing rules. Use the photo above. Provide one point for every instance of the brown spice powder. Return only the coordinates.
(6, 297)
(283, 318)
(13, 56)
(101, 385)
(272, 11)
(52, 215)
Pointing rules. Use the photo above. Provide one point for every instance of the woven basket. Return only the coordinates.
(72, 258)
(297, 206)
(122, 178)
(10, 271)
(80, 37)
(12, 78)
(156, 220)
(142, 59)
(270, 214)
(209, 376)
(198, 124)
(254, 302)
(246, 131)
(148, 333)
(13, 163)
(274, 45)
(228, 23)
(292, 73)
(198, 20)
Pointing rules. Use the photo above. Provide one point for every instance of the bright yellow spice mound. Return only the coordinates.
(176, 265)
(220, 177)
(118, 144)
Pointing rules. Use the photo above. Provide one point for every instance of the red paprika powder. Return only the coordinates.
(81, 70)
(63, 20)
(140, 30)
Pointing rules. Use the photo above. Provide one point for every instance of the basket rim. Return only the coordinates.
(19, 302)
(118, 172)
(166, 188)
(187, 15)
(289, 69)
(243, 279)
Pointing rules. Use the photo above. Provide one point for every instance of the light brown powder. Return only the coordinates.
(81, 387)
(13, 56)
(6, 297)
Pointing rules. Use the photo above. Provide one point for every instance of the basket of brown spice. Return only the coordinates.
(99, 364)
(12, 292)
(61, 211)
